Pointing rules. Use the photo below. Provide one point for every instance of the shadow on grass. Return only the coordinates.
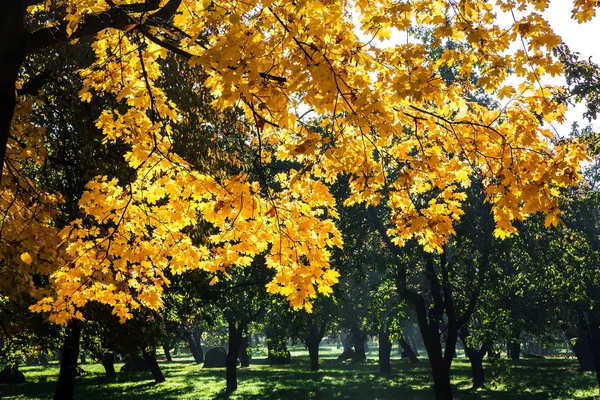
(528, 380)
(552, 379)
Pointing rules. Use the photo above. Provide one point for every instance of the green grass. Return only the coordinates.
(528, 379)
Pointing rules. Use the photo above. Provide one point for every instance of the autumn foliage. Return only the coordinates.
(391, 117)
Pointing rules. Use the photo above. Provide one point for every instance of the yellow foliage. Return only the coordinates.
(26, 258)
(388, 109)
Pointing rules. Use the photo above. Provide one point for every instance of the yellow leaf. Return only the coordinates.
(26, 258)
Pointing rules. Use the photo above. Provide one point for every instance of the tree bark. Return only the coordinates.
(410, 338)
(150, 358)
(43, 360)
(312, 340)
(515, 349)
(345, 340)
(235, 339)
(65, 387)
(475, 357)
(313, 352)
(359, 338)
(477, 370)
(583, 352)
(12, 54)
(407, 350)
(196, 352)
(441, 382)
(440, 366)
(167, 352)
(439, 360)
(595, 344)
(197, 335)
(359, 347)
(108, 362)
(593, 335)
(385, 350)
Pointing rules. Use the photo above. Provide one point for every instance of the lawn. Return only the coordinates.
(527, 379)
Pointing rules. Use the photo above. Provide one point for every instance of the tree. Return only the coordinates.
(387, 108)
(310, 328)
(583, 81)
(446, 294)
(582, 222)
(241, 300)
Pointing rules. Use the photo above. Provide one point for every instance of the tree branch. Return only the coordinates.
(117, 17)
(33, 85)
(377, 224)
(29, 3)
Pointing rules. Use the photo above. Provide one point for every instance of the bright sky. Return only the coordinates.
(581, 38)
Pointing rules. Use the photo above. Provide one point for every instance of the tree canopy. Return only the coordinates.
(392, 122)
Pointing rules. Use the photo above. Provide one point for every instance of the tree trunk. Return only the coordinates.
(593, 335)
(407, 351)
(244, 346)
(477, 370)
(385, 349)
(200, 350)
(12, 54)
(439, 361)
(475, 357)
(150, 358)
(312, 340)
(43, 360)
(359, 347)
(441, 373)
(68, 365)
(583, 352)
(441, 382)
(345, 340)
(410, 336)
(359, 338)
(12, 375)
(515, 349)
(595, 344)
(196, 352)
(313, 352)
(167, 352)
(235, 339)
(196, 334)
(108, 362)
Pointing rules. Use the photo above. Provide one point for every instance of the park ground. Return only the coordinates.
(528, 379)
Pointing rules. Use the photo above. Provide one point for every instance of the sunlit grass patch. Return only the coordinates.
(526, 380)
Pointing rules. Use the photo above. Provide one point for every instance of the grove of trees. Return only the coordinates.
(299, 168)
